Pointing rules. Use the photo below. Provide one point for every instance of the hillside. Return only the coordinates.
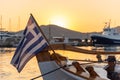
(57, 31)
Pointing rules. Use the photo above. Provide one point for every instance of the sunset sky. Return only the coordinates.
(78, 15)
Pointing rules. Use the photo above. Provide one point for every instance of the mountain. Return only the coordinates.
(57, 31)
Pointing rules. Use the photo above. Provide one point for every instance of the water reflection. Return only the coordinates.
(5, 50)
(112, 49)
(8, 72)
(107, 49)
(31, 70)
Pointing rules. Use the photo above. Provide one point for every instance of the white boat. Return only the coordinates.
(4, 35)
(8, 39)
(109, 36)
(52, 70)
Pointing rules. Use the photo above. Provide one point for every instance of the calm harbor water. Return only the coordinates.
(31, 70)
(8, 72)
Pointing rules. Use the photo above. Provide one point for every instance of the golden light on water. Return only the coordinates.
(31, 69)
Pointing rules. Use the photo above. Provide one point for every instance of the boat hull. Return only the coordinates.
(60, 74)
(100, 40)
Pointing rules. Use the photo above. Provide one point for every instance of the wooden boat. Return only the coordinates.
(54, 66)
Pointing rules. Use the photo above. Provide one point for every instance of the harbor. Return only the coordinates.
(12, 39)
(51, 56)
(59, 40)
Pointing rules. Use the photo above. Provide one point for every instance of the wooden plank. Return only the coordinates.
(75, 49)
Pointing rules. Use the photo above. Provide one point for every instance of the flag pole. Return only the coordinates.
(43, 34)
(44, 37)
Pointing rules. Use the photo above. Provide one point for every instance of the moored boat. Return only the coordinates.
(54, 69)
(109, 36)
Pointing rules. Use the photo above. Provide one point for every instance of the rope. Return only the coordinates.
(49, 72)
(56, 70)
(117, 62)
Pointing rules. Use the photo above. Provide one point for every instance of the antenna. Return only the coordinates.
(105, 25)
(109, 23)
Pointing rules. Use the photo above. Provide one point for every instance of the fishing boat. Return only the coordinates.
(50, 68)
(109, 36)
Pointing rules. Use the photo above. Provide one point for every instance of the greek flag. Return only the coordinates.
(31, 44)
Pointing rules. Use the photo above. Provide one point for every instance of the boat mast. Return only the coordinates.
(1, 27)
(49, 27)
(109, 23)
(9, 24)
(19, 22)
(1, 23)
(49, 33)
(1, 32)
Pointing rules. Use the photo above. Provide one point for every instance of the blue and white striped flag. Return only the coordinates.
(32, 43)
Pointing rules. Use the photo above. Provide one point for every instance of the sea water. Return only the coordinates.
(31, 70)
(8, 72)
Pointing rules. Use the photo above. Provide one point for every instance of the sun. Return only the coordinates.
(59, 20)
